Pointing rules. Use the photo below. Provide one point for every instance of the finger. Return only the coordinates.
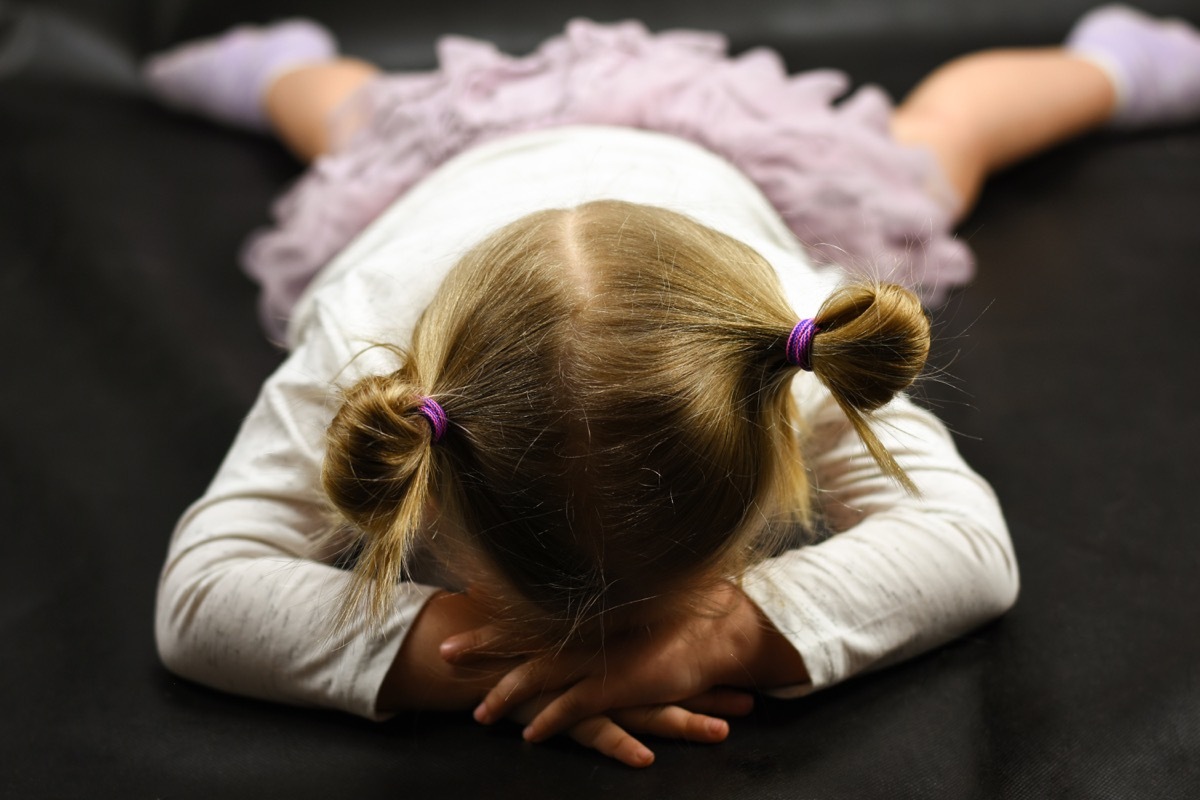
(523, 683)
(721, 703)
(673, 722)
(609, 738)
(524, 713)
(583, 700)
(529, 680)
(512, 690)
(474, 645)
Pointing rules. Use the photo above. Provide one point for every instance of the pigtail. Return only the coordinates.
(871, 342)
(378, 471)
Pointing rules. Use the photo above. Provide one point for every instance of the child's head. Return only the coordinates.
(620, 421)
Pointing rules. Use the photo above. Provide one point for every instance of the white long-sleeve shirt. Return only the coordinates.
(246, 594)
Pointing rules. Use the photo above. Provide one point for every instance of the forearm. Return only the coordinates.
(903, 573)
(421, 678)
(744, 648)
(883, 592)
(760, 657)
(233, 616)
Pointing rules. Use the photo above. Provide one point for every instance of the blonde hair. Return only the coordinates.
(621, 421)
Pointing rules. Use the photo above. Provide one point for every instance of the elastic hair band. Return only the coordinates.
(799, 344)
(432, 411)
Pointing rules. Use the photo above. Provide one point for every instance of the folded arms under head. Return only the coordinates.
(621, 430)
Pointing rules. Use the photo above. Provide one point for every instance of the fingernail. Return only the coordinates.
(481, 714)
(448, 650)
(644, 757)
(716, 727)
(527, 734)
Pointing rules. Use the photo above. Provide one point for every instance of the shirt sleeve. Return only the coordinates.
(246, 599)
(900, 574)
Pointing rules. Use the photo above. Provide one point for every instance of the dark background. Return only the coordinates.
(131, 351)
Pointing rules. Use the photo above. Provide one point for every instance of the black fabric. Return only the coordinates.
(131, 352)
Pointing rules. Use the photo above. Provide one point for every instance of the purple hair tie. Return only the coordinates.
(432, 411)
(799, 344)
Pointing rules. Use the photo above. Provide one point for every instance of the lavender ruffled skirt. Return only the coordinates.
(851, 194)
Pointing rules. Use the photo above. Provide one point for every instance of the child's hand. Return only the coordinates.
(419, 678)
(612, 734)
(665, 664)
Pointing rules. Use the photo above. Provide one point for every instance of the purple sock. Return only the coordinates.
(1154, 64)
(225, 78)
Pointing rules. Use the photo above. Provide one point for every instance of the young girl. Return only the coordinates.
(576, 432)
